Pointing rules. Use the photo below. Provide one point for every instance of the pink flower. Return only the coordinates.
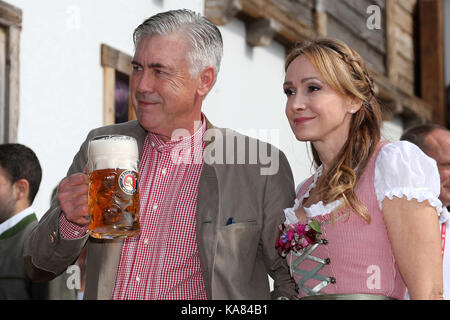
(290, 235)
(300, 229)
(297, 237)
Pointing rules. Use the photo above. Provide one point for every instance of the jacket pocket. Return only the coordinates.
(237, 247)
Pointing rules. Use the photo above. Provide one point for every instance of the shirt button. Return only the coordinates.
(153, 144)
(155, 206)
(138, 279)
(146, 241)
(163, 171)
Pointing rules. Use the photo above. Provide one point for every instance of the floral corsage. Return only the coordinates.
(296, 237)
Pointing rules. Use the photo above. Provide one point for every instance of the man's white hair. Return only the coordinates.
(203, 36)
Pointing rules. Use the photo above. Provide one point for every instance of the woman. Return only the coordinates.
(360, 227)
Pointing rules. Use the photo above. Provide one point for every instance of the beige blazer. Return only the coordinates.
(235, 259)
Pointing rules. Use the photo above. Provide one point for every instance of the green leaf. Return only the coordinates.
(315, 226)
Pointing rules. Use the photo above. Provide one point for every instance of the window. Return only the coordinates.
(117, 105)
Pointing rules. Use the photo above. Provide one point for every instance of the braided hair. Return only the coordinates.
(345, 72)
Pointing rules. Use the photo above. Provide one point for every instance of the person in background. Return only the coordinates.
(434, 140)
(20, 178)
(364, 230)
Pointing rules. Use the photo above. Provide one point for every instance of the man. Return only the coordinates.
(208, 220)
(20, 177)
(434, 140)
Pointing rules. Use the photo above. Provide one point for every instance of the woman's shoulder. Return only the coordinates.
(403, 155)
(400, 147)
(402, 169)
(402, 158)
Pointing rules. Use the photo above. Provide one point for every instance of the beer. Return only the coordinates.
(113, 187)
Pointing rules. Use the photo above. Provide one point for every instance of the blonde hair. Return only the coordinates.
(344, 70)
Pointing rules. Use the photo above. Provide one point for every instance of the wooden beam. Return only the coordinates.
(109, 84)
(261, 32)
(432, 57)
(116, 59)
(292, 30)
(10, 15)
(11, 24)
(320, 18)
(220, 12)
(391, 42)
(12, 84)
(447, 108)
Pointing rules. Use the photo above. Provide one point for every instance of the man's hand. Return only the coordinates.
(73, 198)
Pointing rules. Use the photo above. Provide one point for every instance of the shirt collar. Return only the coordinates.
(15, 219)
(186, 142)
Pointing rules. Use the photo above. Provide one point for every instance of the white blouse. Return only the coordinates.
(401, 169)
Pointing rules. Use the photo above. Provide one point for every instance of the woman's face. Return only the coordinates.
(315, 111)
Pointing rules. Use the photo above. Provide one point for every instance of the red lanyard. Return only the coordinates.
(443, 232)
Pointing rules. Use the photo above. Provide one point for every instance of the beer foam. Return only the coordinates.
(113, 152)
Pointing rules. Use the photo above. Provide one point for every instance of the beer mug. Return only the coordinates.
(113, 187)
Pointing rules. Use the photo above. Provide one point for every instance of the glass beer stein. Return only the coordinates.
(113, 187)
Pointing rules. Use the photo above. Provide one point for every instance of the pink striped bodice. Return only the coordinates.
(360, 254)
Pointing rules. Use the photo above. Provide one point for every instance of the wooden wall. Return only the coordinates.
(431, 51)
(347, 21)
(402, 67)
(391, 51)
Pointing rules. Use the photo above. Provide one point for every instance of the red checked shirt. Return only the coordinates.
(163, 261)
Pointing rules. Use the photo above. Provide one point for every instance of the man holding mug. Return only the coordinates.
(208, 221)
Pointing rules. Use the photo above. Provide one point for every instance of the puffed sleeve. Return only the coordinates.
(402, 169)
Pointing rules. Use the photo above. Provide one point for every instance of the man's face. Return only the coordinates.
(7, 199)
(164, 94)
(438, 142)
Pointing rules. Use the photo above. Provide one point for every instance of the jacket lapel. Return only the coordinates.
(207, 212)
(207, 217)
(139, 133)
(111, 252)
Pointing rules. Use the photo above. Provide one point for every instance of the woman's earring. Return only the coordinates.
(352, 111)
